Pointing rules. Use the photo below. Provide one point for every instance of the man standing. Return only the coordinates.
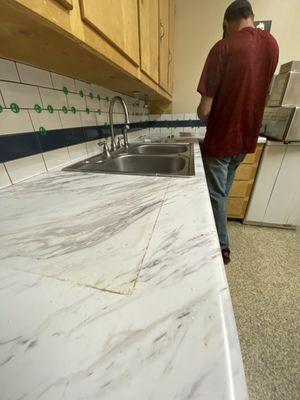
(234, 86)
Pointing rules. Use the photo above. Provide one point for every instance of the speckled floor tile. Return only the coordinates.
(264, 280)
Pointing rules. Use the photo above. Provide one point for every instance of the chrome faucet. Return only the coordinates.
(105, 152)
(126, 127)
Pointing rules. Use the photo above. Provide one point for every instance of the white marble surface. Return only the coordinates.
(112, 287)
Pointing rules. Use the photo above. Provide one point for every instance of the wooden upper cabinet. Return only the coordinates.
(164, 43)
(68, 4)
(149, 41)
(171, 45)
(117, 22)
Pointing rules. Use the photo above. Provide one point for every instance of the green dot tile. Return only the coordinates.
(1, 109)
(38, 108)
(14, 108)
(42, 131)
(73, 109)
(65, 110)
(50, 109)
(87, 110)
(81, 94)
(65, 90)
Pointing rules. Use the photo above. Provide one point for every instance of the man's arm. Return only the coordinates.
(204, 108)
(210, 80)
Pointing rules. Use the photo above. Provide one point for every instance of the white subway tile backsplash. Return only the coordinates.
(78, 152)
(34, 76)
(165, 132)
(45, 119)
(70, 120)
(24, 168)
(119, 118)
(62, 105)
(154, 117)
(97, 90)
(102, 118)
(60, 81)
(92, 104)
(74, 100)
(8, 71)
(11, 122)
(190, 116)
(25, 96)
(178, 117)
(176, 132)
(93, 148)
(1, 100)
(154, 133)
(190, 129)
(104, 105)
(56, 158)
(4, 178)
(54, 98)
(84, 86)
(88, 119)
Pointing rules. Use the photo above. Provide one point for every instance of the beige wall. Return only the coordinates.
(198, 26)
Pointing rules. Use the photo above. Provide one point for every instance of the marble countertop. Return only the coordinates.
(112, 287)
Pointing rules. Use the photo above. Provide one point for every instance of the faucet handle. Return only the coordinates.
(119, 142)
(102, 143)
(105, 150)
(113, 146)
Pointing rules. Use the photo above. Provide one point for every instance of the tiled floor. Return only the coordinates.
(264, 279)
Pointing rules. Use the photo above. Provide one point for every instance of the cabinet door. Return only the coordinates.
(294, 212)
(149, 22)
(164, 43)
(171, 45)
(116, 21)
(265, 181)
(281, 203)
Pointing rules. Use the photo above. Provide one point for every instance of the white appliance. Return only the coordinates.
(275, 199)
(286, 88)
(282, 123)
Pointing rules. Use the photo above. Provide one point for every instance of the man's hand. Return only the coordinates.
(204, 108)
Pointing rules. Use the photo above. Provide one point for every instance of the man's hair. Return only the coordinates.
(239, 9)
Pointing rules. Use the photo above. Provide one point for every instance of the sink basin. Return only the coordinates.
(146, 165)
(169, 160)
(136, 164)
(158, 149)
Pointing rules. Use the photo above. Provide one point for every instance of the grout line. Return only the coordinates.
(17, 71)
(70, 282)
(8, 173)
(151, 235)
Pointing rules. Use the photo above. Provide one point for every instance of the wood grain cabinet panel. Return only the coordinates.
(171, 45)
(242, 186)
(117, 22)
(245, 172)
(236, 206)
(149, 40)
(164, 43)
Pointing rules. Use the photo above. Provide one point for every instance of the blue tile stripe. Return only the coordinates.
(14, 146)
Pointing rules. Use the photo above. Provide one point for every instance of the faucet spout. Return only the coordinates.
(125, 129)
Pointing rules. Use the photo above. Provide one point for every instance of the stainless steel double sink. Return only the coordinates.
(143, 159)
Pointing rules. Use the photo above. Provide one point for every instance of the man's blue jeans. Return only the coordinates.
(220, 174)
